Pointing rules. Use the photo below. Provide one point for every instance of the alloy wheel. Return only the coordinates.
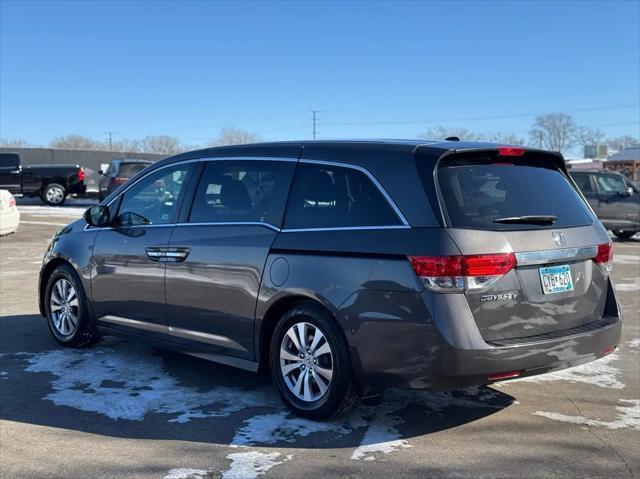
(64, 307)
(306, 361)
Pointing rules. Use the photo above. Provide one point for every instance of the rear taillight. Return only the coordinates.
(605, 256)
(12, 201)
(81, 174)
(120, 180)
(510, 151)
(457, 273)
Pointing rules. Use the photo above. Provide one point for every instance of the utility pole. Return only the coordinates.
(110, 133)
(314, 122)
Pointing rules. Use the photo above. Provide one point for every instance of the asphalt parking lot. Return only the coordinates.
(123, 409)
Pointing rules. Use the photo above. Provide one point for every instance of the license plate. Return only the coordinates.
(556, 279)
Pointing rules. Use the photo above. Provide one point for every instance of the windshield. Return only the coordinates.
(509, 197)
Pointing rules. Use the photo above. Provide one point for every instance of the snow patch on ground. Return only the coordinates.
(124, 381)
(626, 287)
(627, 417)
(250, 465)
(597, 373)
(47, 211)
(282, 427)
(188, 473)
(634, 343)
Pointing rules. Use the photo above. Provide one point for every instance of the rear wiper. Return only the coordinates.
(528, 219)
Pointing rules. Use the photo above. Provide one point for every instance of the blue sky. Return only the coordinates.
(373, 69)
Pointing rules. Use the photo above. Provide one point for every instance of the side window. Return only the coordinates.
(154, 199)
(326, 196)
(609, 184)
(242, 191)
(9, 161)
(584, 183)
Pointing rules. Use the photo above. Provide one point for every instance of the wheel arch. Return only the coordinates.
(274, 311)
(46, 272)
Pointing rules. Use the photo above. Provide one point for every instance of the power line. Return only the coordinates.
(480, 118)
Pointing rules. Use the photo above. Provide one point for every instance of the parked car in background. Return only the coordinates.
(118, 173)
(52, 183)
(9, 214)
(614, 198)
(344, 267)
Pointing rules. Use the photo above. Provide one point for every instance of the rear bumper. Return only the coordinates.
(463, 367)
(444, 349)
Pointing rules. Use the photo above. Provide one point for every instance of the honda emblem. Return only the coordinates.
(559, 238)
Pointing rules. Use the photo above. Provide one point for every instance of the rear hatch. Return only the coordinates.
(535, 261)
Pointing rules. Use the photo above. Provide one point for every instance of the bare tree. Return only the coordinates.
(589, 136)
(554, 131)
(230, 135)
(76, 142)
(622, 142)
(15, 143)
(441, 132)
(162, 144)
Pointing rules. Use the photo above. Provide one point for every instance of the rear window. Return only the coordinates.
(476, 195)
(129, 169)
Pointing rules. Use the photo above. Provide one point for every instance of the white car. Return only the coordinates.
(9, 214)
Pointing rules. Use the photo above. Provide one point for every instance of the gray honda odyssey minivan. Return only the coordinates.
(344, 267)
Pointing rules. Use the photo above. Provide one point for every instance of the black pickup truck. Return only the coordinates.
(52, 183)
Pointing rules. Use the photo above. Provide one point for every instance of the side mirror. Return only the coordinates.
(97, 216)
(626, 192)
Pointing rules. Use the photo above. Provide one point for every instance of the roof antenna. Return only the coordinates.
(452, 138)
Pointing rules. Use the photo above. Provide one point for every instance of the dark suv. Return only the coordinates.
(118, 173)
(344, 267)
(614, 198)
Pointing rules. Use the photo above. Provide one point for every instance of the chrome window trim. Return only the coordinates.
(553, 255)
(369, 175)
(232, 223)
(405, 224)
(346, 228)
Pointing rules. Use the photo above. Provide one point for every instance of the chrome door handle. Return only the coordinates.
(167, 254)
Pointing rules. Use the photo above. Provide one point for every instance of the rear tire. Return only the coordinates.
(66, 309)
(323, 377)
(54, 194)
(624, 235)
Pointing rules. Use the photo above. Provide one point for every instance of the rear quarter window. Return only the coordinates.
(476, 195)
(328, 196)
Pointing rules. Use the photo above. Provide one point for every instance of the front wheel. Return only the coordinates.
(624, 235)
(65, 306)
(54, 194)
(310, 363)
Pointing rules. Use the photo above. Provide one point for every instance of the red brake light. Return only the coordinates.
(489, 264)
(605, 253)
(12, 201)
(437, 265)
(605, 256)
(457, 273)
(510, 151)
(81, 174)
(120, 180)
